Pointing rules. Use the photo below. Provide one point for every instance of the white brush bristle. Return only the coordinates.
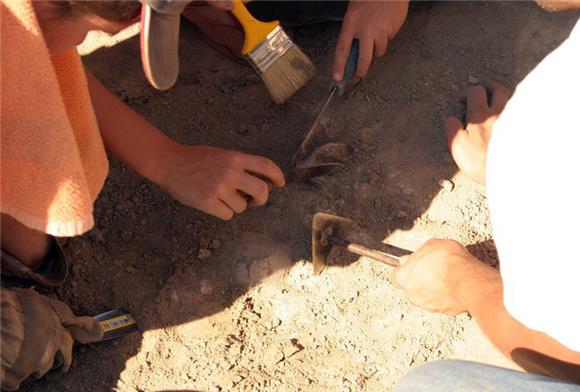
(288, 74)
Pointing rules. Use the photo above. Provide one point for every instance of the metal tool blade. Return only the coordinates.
(301, 174)
(116, 323)
(331, 230)
(314, 127)
(324, 225)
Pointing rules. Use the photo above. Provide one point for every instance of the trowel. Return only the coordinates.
(301, 174)
(336, 88)
(329, 231)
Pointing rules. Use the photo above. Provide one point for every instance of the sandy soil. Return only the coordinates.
(251, 316)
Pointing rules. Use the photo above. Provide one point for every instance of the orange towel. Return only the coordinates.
(53, 162)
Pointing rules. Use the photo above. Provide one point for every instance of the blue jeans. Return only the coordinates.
(460, 376)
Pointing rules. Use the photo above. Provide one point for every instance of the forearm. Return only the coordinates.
(558, 5)
(126, 134)
(532, 350)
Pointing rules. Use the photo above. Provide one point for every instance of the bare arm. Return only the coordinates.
(443, 277)
(219, 182)
(532, 350)
(127, 135)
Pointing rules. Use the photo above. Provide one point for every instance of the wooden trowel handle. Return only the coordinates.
(360, 250)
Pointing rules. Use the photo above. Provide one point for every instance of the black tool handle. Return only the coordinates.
(349, 68)
(360, 250)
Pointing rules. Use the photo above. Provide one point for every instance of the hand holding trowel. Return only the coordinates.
(306, 168)
(329, 231)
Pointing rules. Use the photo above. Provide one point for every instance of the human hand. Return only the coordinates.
(558, 5)
(374, 23)
(223, 5)
(216, 181)
(440, 276)
(33, 352)
(468, 143)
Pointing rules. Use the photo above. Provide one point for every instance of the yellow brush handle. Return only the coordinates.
(254, 29)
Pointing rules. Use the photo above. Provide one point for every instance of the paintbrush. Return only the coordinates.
(281, 64)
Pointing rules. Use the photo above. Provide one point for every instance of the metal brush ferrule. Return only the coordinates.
(274, 46)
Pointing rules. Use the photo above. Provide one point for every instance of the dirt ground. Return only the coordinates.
(252, 316)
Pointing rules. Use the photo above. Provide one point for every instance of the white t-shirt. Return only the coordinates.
(533, 185)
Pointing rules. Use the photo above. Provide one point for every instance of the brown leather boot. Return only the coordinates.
(52, 271)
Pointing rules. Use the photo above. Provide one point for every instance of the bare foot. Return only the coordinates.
(468, 142)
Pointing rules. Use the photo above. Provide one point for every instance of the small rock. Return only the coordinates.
(128, 205)
(363, 192)
(130, 269)
(448, 185)
(243, 129)
(205, 287)
(368, 134)
(203, 243)
(98, 236)
(126, 234)
(276, 322)
(173, 297)
(473, 80)
(454, 87)
(203, 254)
(307, 340)
(76, 269)
(402, 214)
(374, 177)
(273, 355)
(215, 244)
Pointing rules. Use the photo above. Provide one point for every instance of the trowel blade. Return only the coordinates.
(301, 174)
(323, 225)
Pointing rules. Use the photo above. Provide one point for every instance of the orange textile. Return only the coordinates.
(53, 162)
